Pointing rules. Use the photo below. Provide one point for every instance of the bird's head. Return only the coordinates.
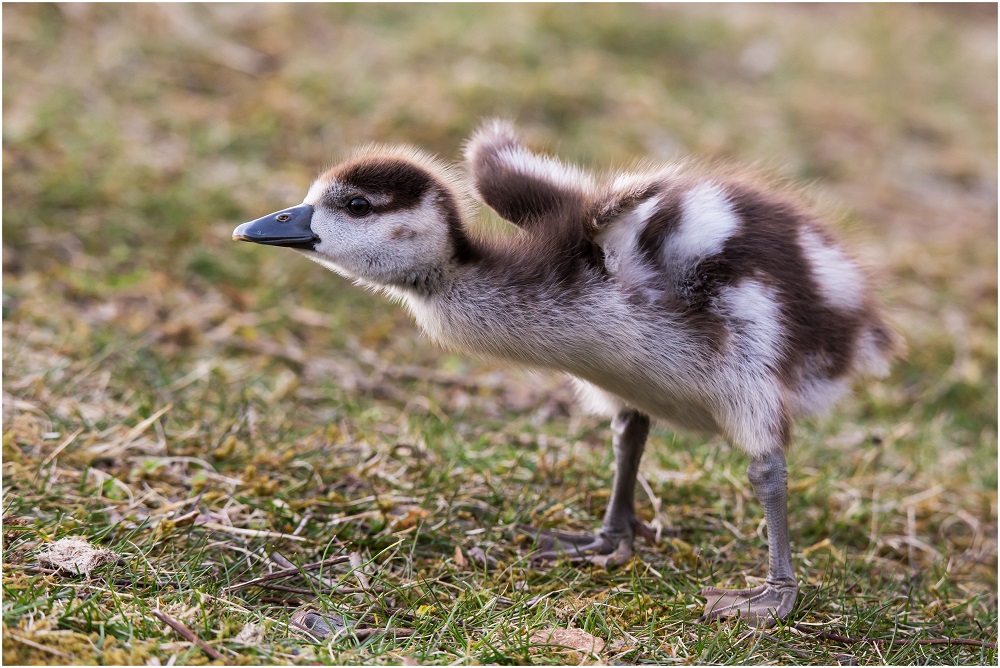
(388, 217)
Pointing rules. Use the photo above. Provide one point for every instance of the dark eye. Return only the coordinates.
(359, 206)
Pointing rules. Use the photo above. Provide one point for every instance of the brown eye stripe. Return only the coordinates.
(404, 183)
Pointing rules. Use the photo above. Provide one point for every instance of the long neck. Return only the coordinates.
(499, 308)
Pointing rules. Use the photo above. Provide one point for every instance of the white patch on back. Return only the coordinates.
(707, 221)
(840, 282)
(618, 241)
(545, 168)
(753, 406)
(644, 211)
(756, 314)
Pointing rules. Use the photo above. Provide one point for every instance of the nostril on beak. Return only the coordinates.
(288, 227)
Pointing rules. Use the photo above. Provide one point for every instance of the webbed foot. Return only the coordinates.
(605, 548)
(762, 606)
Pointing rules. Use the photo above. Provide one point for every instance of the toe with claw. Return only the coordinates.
(612, 545)
(605, 548)
(762, 606)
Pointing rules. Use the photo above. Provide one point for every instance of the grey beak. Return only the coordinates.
(288, 227)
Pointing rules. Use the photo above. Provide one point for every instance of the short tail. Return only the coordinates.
(879, 345)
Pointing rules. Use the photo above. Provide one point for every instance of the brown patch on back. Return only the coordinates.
(661, 225)
(767, 247)
(702, 323)
(688, 300)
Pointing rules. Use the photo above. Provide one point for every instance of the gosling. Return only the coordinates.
(708, 301)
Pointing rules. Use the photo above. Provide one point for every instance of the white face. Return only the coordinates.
(370, 236)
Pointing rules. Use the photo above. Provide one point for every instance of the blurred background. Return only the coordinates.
(135, 137)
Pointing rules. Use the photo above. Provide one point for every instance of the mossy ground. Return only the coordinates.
(197, 405)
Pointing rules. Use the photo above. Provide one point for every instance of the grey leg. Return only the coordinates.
(769, 477)
(612, 545)
(630, 430)
(775, 599)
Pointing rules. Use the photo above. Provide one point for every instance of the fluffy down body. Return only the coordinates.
(705, 299)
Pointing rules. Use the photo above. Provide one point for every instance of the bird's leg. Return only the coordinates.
(612, 544)
(772, 601)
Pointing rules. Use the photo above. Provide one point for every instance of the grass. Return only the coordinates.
(210, 412)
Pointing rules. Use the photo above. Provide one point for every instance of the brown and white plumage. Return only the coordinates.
(700, 299)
